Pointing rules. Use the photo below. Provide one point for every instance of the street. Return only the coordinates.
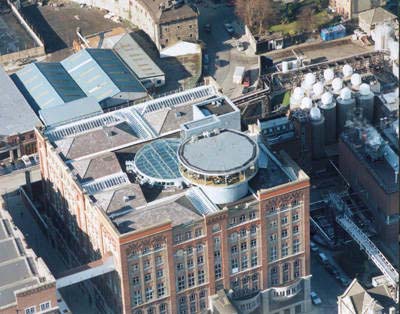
(221, 47)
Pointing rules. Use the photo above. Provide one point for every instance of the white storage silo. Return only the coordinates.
(329, 75)
(355, 81)
(347, 71)
(337, 85)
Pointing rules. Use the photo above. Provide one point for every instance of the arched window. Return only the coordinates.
(162, 308)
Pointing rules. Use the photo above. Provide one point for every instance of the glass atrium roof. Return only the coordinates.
(159, 160)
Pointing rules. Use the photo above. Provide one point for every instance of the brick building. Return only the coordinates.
(165, 21)
(133, 183)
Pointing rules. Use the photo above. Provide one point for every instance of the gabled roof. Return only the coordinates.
(16, 116)
(376, 15)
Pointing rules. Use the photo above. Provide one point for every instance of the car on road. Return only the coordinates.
(240, 46)
(316, 300)
(229, 28)
(207, 28)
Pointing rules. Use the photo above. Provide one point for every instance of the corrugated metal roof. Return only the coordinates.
(16, 116)
(136, 58)
(100, 73)
(71, 111)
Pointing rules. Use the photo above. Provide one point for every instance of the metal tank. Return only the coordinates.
(345, 105)
(366, 102)
(328, 110)
(317, 133)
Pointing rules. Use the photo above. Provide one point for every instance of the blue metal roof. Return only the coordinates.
(38, 87)
(49, 84)
(61, 81)
(101, 74)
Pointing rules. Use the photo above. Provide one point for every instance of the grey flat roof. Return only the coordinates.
(71, 111)
(7, 293)
(219, 153)
(8, 250)
(136, 58)
(16, 115)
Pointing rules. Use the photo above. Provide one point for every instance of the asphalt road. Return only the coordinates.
(221, 47)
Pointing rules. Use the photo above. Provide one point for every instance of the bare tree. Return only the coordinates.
(306, 20)
(256, 14)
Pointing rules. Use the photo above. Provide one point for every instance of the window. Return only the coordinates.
(199, 248)
(243, 246)
(285, 272)
(189, 250)
(242, 233)
(145, 250)
(150, 310)
(188, 235)
(296, 268)
(160, 273)
(135, 280)
(45, 306)
(135, 267)
(273, 223)
(252, 215)
(146, 264)
(181, 283)
(160, 289)
(159, 260)
(253, 230)
(157, 246)
(216, 228)
(200, 276)
(149, 293)
(179, 266)
(190, 279)
(198, 232)
(162, 308)
(253, 259)
(295, 217)
(30, 310)
(178, 238)
(272, 253)
(244, 262)
(147, 277)
(190, 263)
(218, 271)
(284, 233)
(253, 243)
(217, 242)
(284, 220)
(217, 254)
(234, 249)
(285, 249)
(137, 297)
(273, 237)
(234, 263)
(233, 221)
(296, 246)
(242, 218)
(295, 229)
(200, 260)
(295, 203)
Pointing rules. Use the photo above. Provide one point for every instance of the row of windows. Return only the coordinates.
(273, 209)
(162, 309)
(284, 250)
(189, 263)
(43, 307)
(180, 237)
(242, 218)
(182, 283)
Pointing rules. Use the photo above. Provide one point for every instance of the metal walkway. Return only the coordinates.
(370, 248)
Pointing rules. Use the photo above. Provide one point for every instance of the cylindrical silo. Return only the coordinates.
(328, 109)
(347, 71)
(355, 81)
(337, 85)
(329, 75)
(317, 133)
(306, 103)
(366, 102)
(345, 105)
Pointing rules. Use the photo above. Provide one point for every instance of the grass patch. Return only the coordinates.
(321, 18)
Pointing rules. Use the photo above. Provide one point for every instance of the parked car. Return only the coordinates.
(240, 46)
(316, 300)
(207, 28)
(229, 28)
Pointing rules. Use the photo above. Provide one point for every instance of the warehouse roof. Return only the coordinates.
(168, 15)
(100, 73)
(71, 111)
(16, 116)
(136, 58)
(376, 16)
(47, 85)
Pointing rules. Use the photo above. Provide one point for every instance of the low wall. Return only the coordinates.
(21, 19)
(27, 53)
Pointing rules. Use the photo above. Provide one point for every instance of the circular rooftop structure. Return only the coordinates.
(157, 163)
(219, 158)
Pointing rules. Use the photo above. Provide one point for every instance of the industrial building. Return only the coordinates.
(350, 9)
(26, 285)
(185, 205)
(17, 122)
(369, 19)
(97, 73)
